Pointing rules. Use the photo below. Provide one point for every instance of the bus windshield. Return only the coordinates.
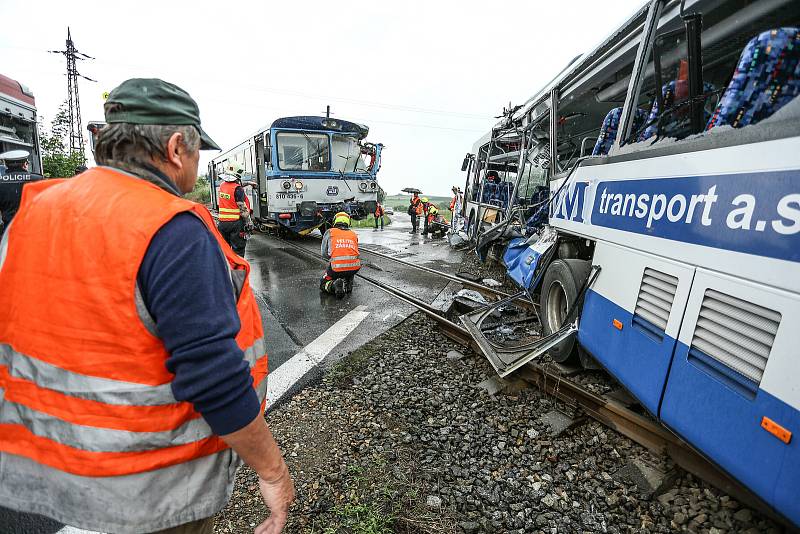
(300, 151)
(347, 154)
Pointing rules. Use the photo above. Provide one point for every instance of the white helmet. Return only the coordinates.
(233, 167)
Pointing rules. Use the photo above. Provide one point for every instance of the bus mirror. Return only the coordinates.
(465, 163)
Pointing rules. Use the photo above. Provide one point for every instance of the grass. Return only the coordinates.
(369, 222)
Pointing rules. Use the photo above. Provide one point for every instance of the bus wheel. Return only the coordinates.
(562, 282)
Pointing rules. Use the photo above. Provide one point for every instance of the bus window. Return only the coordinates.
(729, 36)
(303, 152)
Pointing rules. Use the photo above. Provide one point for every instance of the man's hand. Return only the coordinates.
(256, 446)
(278, 495)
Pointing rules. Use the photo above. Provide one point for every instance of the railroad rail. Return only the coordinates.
(646, 432)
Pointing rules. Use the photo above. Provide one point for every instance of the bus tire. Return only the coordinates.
(562, 282)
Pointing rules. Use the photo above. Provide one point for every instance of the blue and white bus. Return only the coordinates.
(686, 197)
(305, 169)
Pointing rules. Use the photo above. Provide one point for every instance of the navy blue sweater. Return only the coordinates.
(186, 287)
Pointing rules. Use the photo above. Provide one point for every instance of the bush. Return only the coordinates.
(201, 192)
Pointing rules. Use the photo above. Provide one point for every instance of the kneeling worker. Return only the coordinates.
(340, 246)
(235, 222)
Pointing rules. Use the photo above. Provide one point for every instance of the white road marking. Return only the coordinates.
(285, 376)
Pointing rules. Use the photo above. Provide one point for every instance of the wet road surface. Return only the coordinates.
(296, 314)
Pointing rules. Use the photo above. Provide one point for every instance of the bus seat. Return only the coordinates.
(489, 192)
(505, 193)
(766, 78)
(608, 131)
(668, 95)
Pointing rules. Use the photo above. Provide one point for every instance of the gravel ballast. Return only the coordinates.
(398, 438)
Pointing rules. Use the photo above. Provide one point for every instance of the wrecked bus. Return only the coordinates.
(666, 246)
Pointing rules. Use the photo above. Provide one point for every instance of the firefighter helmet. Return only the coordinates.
(341, 218)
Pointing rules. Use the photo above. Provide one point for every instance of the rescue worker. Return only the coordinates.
(379, 213)
(11, 183)
(340, 246)
(235, 221)
(131, 410)
(425, 206)
(430, 215)
(455, 207)
(415, 210)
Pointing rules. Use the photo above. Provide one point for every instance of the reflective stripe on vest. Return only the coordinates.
(228, 209)
(101, 404)
(344, 250)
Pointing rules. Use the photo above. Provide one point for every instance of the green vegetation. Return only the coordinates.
(369, 222)
(200, 193)
(57, 161)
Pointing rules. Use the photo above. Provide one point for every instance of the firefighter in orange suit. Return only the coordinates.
(340, 246)
(132, 410)
(235, 221)
(415, 210)
(379, 213)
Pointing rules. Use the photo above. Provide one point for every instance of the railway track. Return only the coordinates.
(615, 415)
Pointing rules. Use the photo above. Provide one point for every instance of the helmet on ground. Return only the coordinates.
(234, 168)
(424, 200)
(341, 218)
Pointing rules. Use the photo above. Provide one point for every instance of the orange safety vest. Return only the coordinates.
(344, 250)
(378, 211)
(228, 209)
(85, 391)
(453, 203)
(417, 205)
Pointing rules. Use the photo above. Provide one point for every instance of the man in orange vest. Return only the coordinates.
(340, 246)
(132, 359)
(378, 215)
(235, 222)
(415, 210)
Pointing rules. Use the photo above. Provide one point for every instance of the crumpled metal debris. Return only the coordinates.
(472, 295)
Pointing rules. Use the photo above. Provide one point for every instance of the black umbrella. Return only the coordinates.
(411, 190)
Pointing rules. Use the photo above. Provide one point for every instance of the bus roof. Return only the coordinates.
(16, 90)
(306, 122)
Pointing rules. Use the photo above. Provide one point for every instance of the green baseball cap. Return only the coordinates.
(154, 101)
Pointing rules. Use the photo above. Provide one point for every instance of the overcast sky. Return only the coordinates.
(427, 77)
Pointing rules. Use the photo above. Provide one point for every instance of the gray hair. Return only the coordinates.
(140, 144)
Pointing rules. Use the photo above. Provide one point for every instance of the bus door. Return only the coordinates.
(732, 391)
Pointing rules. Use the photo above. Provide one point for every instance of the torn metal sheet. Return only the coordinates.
(506, 358)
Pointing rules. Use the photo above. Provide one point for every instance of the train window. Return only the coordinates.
(303, 151)
(346, 154)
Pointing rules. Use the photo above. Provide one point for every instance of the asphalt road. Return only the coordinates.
(306, 330)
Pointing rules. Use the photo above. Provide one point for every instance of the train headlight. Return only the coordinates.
(286, 185)
(373, 186)
(298, 185)
(363, 186)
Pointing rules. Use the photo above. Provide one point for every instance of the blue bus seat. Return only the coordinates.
(766, 78)
(668, 95)
(608, 131)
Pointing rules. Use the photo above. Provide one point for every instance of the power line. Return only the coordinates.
(74, 101)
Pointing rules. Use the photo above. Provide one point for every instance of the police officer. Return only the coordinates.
(11, 183)
(235, 223)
